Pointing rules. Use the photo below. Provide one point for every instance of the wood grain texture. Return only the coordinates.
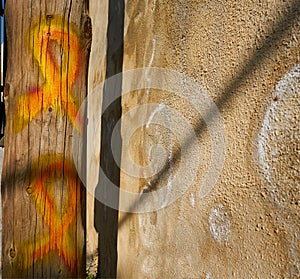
(43, 198)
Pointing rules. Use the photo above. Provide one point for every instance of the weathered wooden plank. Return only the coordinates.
(43, 198)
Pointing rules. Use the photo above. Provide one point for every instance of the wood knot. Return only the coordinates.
(29, 190)
(12, 253)
(6, 89)
(48, 19)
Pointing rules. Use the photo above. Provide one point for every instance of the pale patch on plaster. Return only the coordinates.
(150, 65)
(192, 199)
(170, 160)
(148, 229)
(279, 134)
(278, 156)
(219, 223)
(157, 110)
(154, 4)
(148, 264)
(153, 52)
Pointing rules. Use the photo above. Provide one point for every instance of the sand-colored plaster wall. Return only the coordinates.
(238, 51)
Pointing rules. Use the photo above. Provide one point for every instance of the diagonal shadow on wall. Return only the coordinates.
(274, 35)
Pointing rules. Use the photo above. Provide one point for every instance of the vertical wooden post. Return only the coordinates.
(43, 198)
(106, 218)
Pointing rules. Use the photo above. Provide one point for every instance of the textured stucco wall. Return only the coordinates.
(245, 56)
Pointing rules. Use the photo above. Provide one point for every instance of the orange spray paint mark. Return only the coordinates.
(59, 73)
(60, 219)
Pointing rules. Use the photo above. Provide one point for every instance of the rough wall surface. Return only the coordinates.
(245, 56)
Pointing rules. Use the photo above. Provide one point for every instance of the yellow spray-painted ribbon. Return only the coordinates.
(59, 73)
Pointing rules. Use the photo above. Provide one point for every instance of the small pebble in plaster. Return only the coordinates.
(219, 223)
(208, 275)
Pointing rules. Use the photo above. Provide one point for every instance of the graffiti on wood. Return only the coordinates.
(60, 219)
(53, 185)
(59, 74)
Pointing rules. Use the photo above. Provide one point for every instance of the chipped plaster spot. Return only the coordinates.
(219, 223)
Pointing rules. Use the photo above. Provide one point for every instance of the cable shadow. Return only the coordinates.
(106, 218)
(273, 36)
